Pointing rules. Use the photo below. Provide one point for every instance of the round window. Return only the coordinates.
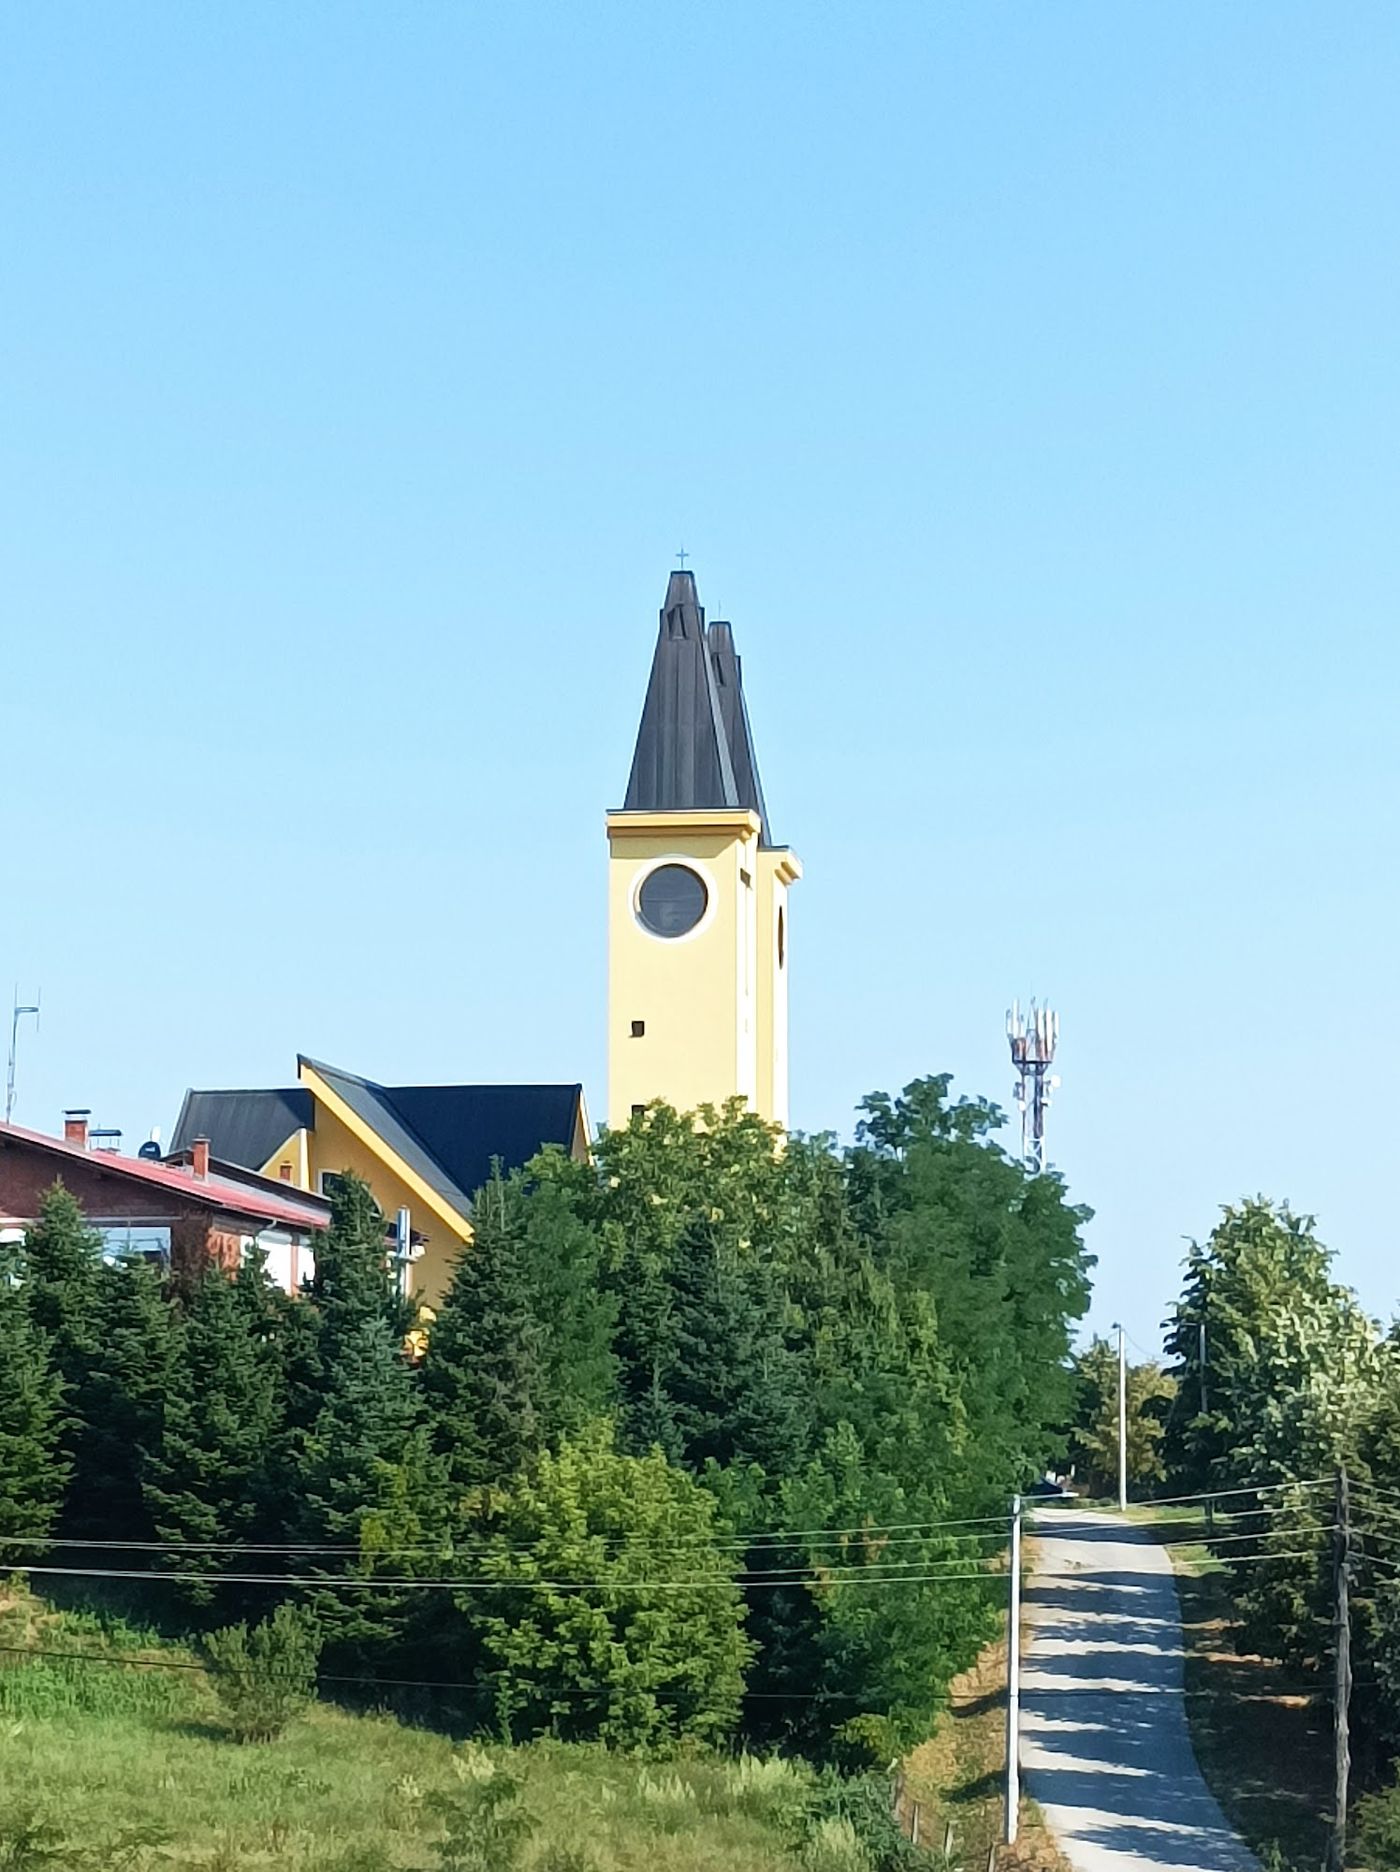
(672, 900)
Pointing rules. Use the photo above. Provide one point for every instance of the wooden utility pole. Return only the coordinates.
(1205, 1412)
(1013, 1683)
(1341, 1552)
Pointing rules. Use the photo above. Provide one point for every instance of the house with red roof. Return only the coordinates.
(186, 1216)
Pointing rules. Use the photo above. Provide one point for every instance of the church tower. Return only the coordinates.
(697, 891)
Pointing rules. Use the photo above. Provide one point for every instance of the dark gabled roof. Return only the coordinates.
(694, 746)
(375, 1105)
(448, 1135)
(464, 1127)
(242, 1127)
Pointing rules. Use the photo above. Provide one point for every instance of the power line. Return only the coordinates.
(803, 1576)
(1258, 1488)
(886, 1534)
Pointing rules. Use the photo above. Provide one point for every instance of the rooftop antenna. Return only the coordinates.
(19, 1011)
(1032, 1037)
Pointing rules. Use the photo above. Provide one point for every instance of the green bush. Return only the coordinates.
(853, 1815)
(1377, 1830)
(487, 1825)
(264, 1676)
(634, 1669)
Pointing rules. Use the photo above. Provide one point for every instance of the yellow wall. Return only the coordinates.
(296, 1153)
(335, 1147)
(776, 870)
(710, 1000)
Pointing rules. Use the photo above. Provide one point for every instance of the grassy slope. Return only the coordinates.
(958, 1777)
(102, 1752)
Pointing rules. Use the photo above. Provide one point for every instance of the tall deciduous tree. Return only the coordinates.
(1093, 1443)
(1292, 1365)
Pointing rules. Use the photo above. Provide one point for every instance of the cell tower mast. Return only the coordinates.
(1032, 1037)
(17, 1014)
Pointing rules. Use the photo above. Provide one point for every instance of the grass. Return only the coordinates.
(1263, 1742)
(958, 1778)
(97, 1759)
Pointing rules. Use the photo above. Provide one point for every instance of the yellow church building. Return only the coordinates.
(697, 890)
(697, 987)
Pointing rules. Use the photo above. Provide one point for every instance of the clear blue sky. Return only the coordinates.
(1024, 381)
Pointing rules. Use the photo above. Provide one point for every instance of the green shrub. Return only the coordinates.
(832, 1846)
(264, 1676)
(638, 1671)
(1377, 1830)
(862, 1804)
(486, 1823)
(565, 1859)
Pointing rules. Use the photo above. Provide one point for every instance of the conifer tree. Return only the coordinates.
(365, 1480)
(121, 1403)
(369, 1487)
(107, 1329)
(223, 1416)
(61, 1263)
(483, 1376)
(733, 1383)
(352, 1281)
(32, 1469)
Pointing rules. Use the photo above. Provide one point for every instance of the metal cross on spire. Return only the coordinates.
(682, 556)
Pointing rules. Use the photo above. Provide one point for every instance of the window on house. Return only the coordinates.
(638, 1029)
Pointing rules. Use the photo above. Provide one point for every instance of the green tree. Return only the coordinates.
(733, 1384)
(121, 1404)
(33, 1470)
(1093, 1443)
(352, 1282)
(1291, 1359)
(999, 1255)
(266, 1676)
(483, 1377)
(371, 1494)
(1293, 1367)
(107, 1329)
(577, 1636)
(207, 1487)
(61, 1262)
(562, 1250)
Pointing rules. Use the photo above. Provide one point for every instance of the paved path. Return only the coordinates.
(1104, 1744)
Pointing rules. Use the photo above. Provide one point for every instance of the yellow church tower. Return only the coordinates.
(697, 891)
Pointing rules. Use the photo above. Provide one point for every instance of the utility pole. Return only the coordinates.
(1122, 1422)
(1013, 1682)
(1341, 1549)
(1205, 1409)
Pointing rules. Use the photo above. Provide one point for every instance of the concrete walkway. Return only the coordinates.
(1105, 1749)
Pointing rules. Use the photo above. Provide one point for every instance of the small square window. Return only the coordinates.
(638, 1029)
(638, 1111)
(745, 877)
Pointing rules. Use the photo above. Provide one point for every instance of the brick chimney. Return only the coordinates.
(199, 1158)
(75, 1126)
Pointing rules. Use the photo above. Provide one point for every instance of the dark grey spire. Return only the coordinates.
(694, 747)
